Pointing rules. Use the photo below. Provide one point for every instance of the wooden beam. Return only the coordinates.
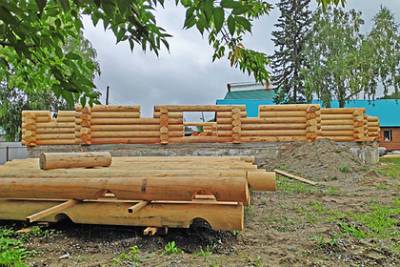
(138, 206)
(299, 178)
(221, 216)
(50, 211)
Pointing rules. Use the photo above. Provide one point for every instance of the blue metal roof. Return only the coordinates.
(388, 110)
(251, 94)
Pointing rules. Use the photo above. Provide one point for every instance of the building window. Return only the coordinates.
(387, 135)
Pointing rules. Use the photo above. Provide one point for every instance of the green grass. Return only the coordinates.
(172, 248)
(12, 250)
(129, 258)
(390, 168)
(289, 186)
(12, 245)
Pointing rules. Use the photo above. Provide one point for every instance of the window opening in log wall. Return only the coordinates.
(199, 123)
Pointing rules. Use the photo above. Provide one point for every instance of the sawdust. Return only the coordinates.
(322, 160)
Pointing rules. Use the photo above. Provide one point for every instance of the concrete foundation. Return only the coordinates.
(367, 152)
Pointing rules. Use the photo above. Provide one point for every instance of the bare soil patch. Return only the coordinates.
(322, 160)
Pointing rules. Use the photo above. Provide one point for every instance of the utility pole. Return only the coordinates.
(107, 94)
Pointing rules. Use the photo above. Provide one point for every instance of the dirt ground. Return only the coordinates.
(352, 220)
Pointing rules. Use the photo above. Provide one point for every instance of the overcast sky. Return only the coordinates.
(185, 74)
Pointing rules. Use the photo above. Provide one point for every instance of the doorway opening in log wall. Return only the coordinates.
(199, 123)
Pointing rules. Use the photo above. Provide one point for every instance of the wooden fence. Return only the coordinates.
(124, 125)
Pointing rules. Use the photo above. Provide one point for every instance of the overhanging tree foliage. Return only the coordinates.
(288, 60)
(37, 31)
(18, 93)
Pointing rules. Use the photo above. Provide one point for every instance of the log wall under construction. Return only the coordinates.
(124, 125)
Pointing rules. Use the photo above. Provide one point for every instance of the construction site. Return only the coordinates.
(299, 185)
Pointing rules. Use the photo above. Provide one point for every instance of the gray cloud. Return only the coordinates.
(186, 74)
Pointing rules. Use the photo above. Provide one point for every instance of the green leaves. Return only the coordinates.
(39, 41)
(41, 4)
(219, 18)
(344, 63)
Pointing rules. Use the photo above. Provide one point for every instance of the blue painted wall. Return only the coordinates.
(388, 110)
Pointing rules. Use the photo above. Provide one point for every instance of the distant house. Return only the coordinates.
(388, 110)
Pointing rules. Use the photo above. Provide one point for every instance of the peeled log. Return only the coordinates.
(261, 181)
(115, 115)
(288, 107)
(50, 161)
(279, 114)
(142, 188)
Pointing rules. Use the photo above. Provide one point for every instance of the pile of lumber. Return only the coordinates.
(343, 124)
(122, 125)
(39, 128)
(138, 191)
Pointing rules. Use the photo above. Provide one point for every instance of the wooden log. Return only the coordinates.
(55, 136)
(273, 138)
(261, 181)
(115, 108)
(198, 108)
(49, 161)
(141, 188)
(296, 177)
(55, 130)
(50, 125)
(138, 127)
(243, 114)
(110, 114)
(65, 119)
(340, 110)
(337, 122)
(174, 115)
(158, 214)
(267, 126)
(200, 139)
(50, 211)
(130, 140)
(67, 113)
(337, 133)
(128, 121)
(337, 127)
(282, 114)
(336, 116)
(127, 134)
(288, 107)
(43, 113)
(285, 120)
(56, 142)
(200, 124)
(164, 131)
(289, 132)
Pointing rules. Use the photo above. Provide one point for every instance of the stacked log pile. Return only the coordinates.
(373, 128)
(161, 186)
(39, 128)
(282, 123)
(229, 123)
(171, 122)
(343, 124)
(123, 125)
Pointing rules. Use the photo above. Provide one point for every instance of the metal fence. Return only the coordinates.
(12, 150)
